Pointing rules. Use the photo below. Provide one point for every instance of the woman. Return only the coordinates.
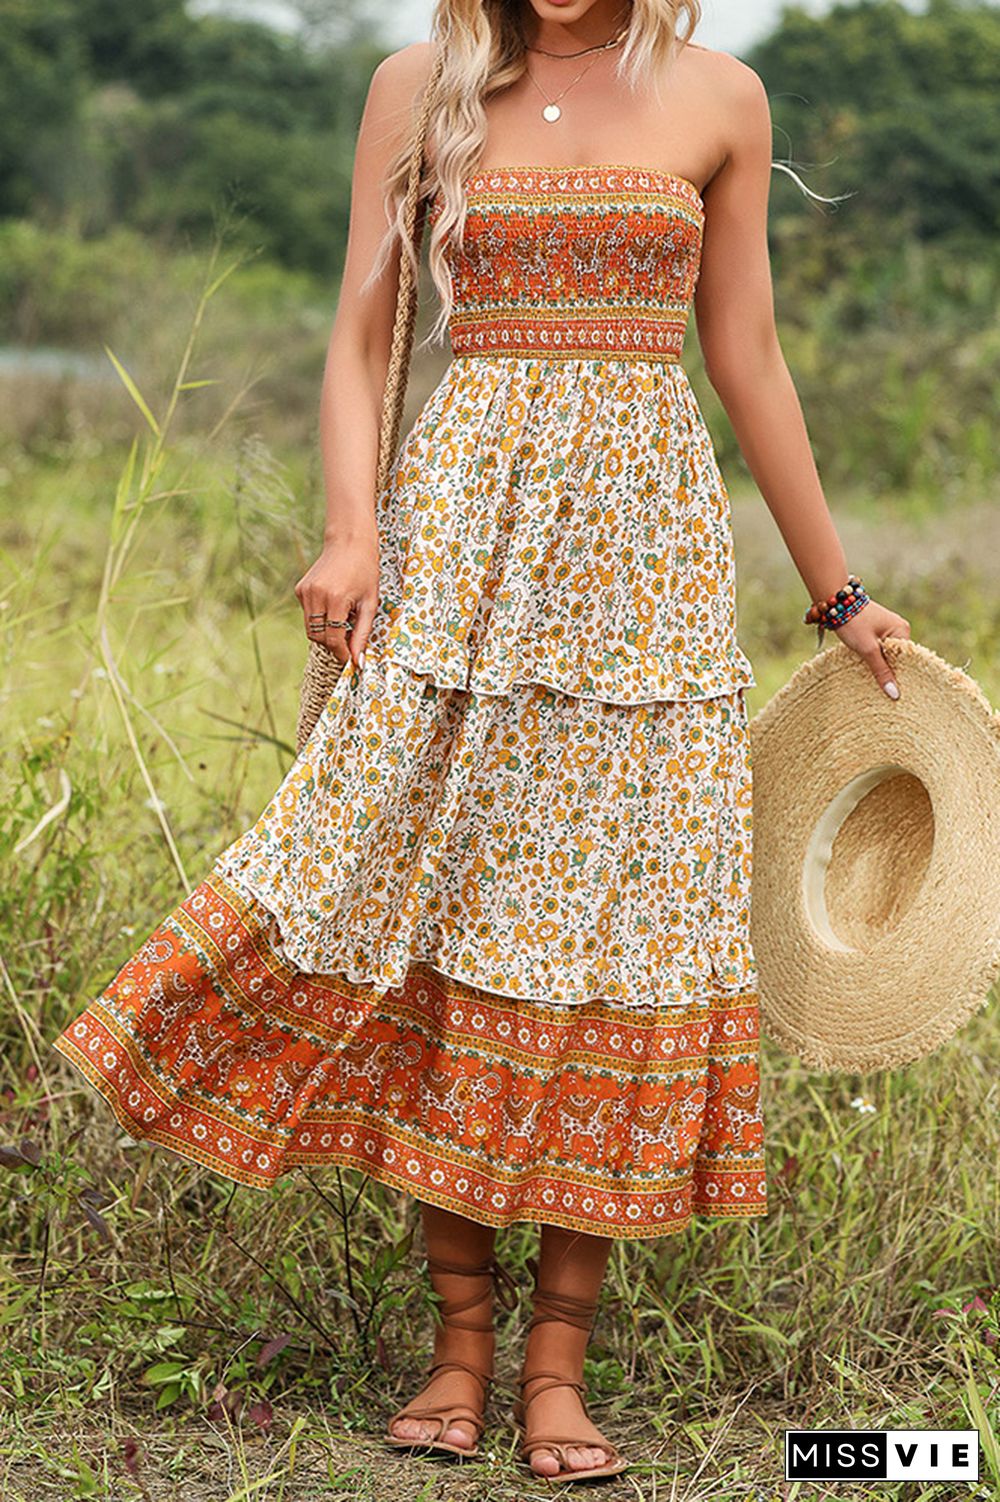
(489, 941)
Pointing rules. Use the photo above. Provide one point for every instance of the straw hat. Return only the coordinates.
(876, 857)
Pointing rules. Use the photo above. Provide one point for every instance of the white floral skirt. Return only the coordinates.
(534, 844)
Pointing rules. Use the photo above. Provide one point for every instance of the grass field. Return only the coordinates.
(151, 652)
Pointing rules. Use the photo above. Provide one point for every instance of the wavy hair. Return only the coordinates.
(484, 50)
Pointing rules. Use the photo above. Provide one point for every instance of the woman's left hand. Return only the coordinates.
(863, 633)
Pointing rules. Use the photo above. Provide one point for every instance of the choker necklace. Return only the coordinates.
(597, 47)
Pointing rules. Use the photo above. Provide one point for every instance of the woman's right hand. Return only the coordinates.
(342, 585)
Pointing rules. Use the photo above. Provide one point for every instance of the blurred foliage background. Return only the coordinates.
(150, 653)
(128, 134)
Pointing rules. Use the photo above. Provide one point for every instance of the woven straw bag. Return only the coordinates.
(322, 669)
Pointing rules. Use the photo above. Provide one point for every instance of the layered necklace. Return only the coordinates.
(552, 112)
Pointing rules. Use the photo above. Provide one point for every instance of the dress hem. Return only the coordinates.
(339, 1157)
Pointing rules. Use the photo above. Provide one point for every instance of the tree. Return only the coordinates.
(147, 45)
(904, 106)
(42, 85)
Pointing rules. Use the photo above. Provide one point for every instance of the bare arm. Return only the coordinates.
(743, 358)
(345, 576)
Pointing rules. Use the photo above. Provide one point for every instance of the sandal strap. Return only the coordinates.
(464, 1366)
(569, 1439)
(553, 1379)
(560, 1442)
(505, 1287)
(550, 1304)
(445, 1415)
(502, 1285)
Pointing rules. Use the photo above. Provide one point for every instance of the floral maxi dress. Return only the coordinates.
(489, 940)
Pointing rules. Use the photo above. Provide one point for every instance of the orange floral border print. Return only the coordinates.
(619, 1124)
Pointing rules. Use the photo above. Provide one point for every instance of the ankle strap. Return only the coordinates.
(552, 1379)
(549, 1305)
(454, 1364)
(503, 1286)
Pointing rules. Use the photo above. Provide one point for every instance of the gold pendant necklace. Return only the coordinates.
(552, 112)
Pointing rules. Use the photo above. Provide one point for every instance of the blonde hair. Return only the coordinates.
(484, 50)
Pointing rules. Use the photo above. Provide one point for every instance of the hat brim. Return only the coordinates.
(875, 915)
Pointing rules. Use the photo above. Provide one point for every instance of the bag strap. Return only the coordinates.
(394, 395)
(322, 669)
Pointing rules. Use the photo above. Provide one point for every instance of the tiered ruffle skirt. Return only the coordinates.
(489, 940)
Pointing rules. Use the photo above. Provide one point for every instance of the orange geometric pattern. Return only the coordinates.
(575, 262)
(623, 1125)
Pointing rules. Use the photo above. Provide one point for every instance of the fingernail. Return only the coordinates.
(891, 689)
(361, 660)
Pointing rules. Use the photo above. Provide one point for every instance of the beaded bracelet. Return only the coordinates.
(832, 613)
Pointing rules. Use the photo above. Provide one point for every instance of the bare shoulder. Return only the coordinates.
(406, 70)
(730, 97)
(729, 80)
(395, 87)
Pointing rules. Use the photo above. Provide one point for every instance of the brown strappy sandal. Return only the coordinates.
(445, 1415)
(579, 1312)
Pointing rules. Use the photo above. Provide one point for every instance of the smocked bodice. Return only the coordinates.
(575, 262)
